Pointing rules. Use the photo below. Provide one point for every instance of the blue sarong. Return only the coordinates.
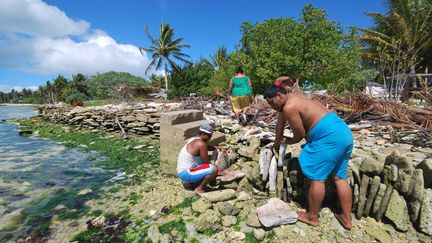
(328, 149)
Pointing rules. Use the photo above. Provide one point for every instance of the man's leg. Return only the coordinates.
(345, 198)
(200, 189)
(315, 198)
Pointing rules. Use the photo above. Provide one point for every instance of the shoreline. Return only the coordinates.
(10, 104)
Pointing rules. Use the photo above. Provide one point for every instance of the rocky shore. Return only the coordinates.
(390, 180)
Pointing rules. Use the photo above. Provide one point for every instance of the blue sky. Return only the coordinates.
(42, 39)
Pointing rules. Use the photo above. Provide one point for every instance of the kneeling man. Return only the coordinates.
(193, 164)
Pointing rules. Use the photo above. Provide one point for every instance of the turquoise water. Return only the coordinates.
(33, 169)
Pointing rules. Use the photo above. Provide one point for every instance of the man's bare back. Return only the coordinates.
(302, 114)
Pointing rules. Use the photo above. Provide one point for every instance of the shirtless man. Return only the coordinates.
(328, 148)
(193, 164)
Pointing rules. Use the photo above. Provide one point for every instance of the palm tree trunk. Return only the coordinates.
(166, 79)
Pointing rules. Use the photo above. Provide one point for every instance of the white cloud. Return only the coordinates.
(39, 38)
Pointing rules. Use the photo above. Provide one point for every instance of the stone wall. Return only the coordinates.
(139, 119)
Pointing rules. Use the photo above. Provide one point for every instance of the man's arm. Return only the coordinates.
(280, 126)
(292, 115)
(204, 153)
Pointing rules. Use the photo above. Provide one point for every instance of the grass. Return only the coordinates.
(179, 225)
(177, 209)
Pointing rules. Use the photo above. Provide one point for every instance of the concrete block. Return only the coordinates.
(179, 117)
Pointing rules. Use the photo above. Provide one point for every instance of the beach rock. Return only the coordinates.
(405, 172)
(252, 219)
(251, 150)
(264, 162)
(201, 205)
(397, 212)
(416, 196)
(207, 221)
(228, 220)
(243, 196)
(371, 196)
(259, 234)
(378, 199)
(218, 196)
(384, 202)
(426, 166)
(362, 196)
(235, 235)
(371, 166)
(276, 212)
(379, 234)
(425, 222)
(273, 175)
(226, 208)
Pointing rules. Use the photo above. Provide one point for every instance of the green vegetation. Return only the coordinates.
(178, 225)
(119, 153)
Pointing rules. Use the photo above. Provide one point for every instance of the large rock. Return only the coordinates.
(426, 166)
(252, 219)
(405, 172)
(372, 194)
(384, 202)
(397, 212)
(201, 205)
(226, 208)
(208, 221)
(378, 199)
(371, 166)
(379, 234)
(362, 196)
(219, 196)
(425, 222)
(251, 150)
(416, 196)
(179, 117)
(276, 212)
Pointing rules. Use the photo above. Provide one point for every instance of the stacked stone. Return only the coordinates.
(393, 189)
(140, 120)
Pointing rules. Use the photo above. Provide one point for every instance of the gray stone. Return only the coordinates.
(201, 205)
(208, 221)
(384, 202)
(228, 220)
(397, 212)
(425, 222)
(355, 194)
(235, 235)
(371, 196)
(243, 196)
(219, 196)
(371, 166)
(259, 234)
(276, 212)
(362, 196)
(226, 208)
(379, 234)
(252, 219)
(251, 150)
(378, 199)
(416, 196)
(426, 166)
(405, 172)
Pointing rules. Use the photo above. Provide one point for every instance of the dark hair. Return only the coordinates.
(239, 69)
(272, 90)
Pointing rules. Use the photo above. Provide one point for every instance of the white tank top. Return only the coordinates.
(186, 160)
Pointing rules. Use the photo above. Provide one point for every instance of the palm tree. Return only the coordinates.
(163, 50)
(409, 22)
(219, 59)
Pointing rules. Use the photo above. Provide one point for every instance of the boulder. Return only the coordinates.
(371, 166)
(208, 221)
(425, 222)
(426, 166)
(276, 212)
(371, 196)
(201, 205)
(397, 212)
(416, 196)
(219, 196)
(226, 208)
(405, 171)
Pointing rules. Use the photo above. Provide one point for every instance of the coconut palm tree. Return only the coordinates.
(164, 50)
(219, 59)
(409, 22)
